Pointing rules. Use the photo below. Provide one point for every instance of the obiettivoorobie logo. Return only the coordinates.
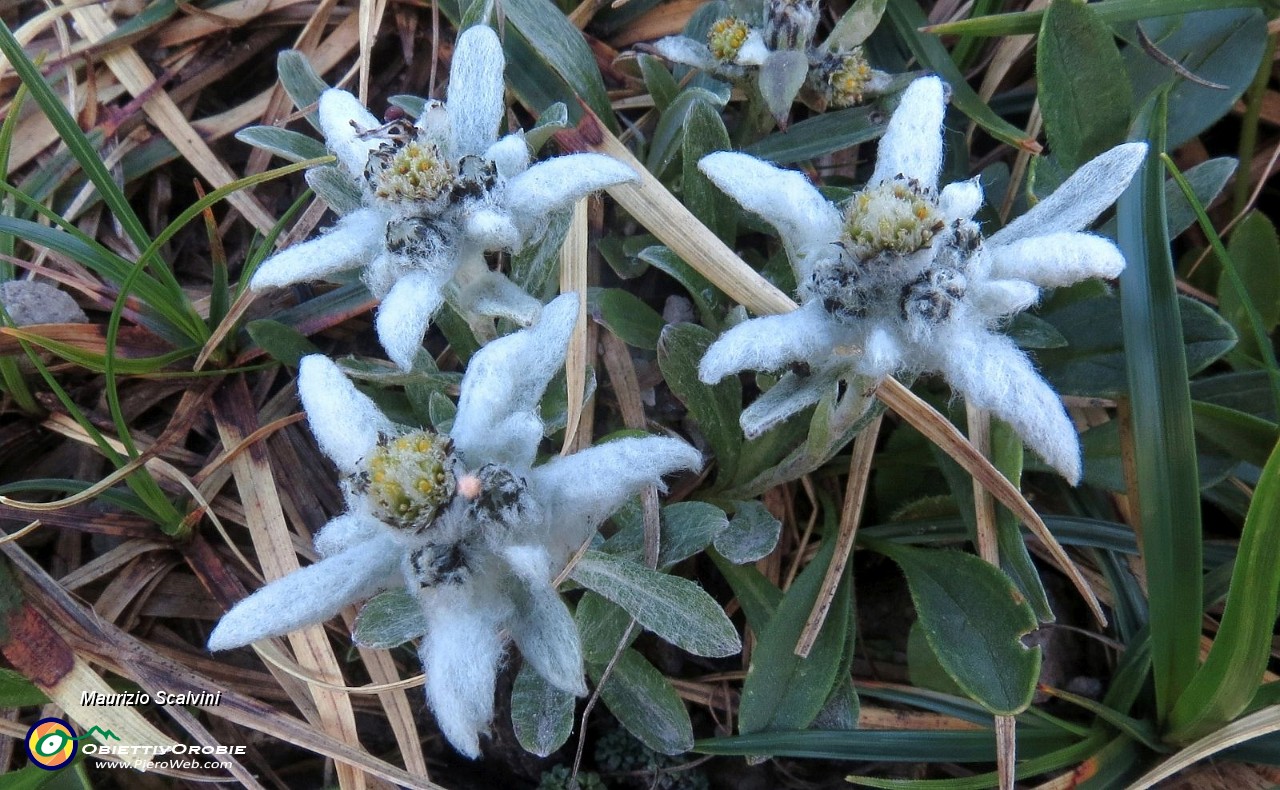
(52, 743)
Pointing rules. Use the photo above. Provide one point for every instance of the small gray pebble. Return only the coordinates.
(33, 302)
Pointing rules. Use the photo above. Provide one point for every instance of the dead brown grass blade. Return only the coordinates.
(573, 279)
(236, 419)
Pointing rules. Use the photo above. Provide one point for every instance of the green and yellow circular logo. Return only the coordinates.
(51, 744)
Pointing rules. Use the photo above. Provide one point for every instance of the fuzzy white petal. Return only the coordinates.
(346, 531)
(493, 294)
(547, 637)
(558, 183)
(1057, 259)
(310, 595)
(405, 313)
(507, 378)
(461, 653)
(475, 90)
(1081, 198)
(581, 490)
(960, 200)
(1003, 297)
(685, 51)
(510, 155)
(342, 119)
(345, 422)
(353, 241)
(992, 373)
(806, 221)
(791, 394)
(491, 230)
(912, 145)
(771, 342)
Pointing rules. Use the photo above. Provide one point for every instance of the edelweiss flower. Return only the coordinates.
(438, 193)
(834, 73)
(465, 521)
(900, 279)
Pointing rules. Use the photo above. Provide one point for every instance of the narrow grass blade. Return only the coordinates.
(1163, 432)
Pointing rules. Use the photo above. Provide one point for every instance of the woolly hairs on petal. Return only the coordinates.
(352, 242)
(771, 343)
(912, 144)
(345, 422)
(310, 595)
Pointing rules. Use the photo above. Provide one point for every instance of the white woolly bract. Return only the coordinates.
(806, 221)
(1004, 297)
(342, 118)
(506, 378)
(960, 200)
(685, 51)
(345, 422)
(791, 394)
(510, 155)
(310, 595)
(912, 144)
(492, 293)
(352, 242)
(579, 491)
(547, 636)
(406, 311)
(1057, 259)
(1080, 199)
(475, 90)
(346, 531)
(771, 343)
(461, 654)
(560, 182)
(996, 375)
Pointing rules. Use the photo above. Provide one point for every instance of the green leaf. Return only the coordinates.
(658, 81)
(821, 135)
(783, 691)
(601, 627)
(715, 407)
(907, 18)
(1223, 46)
(541, 714)
(553, 119)
(1093, 363)
(1111, 12)
(704, 133)
(756, 595)
(1232, 673)
(857, 24)
(908, 746)
(686, 529)
(301, 82)
(1237, 434)
(284, 343)
(561, 46)
(288, 145)
(974, 618)
(1084, 93)
(781, 76)
(1255, 250)
(752, 534)
(675, 609)
(389, 620)
(645, 703)
(1163, 433)
(441, 411)
(923, 667)
(668, 135)
(335, 188)
(706, 297)
(634, 322)
(18, 692)
(1206, 179)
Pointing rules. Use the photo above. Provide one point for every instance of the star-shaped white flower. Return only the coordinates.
(466, 522)
(782, 50)
(900, 279)
(438, 194)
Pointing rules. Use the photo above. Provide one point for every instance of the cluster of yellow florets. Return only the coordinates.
(727, 37)
(847, 81)
(413, 171)
(895, 216)
(410, 479)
